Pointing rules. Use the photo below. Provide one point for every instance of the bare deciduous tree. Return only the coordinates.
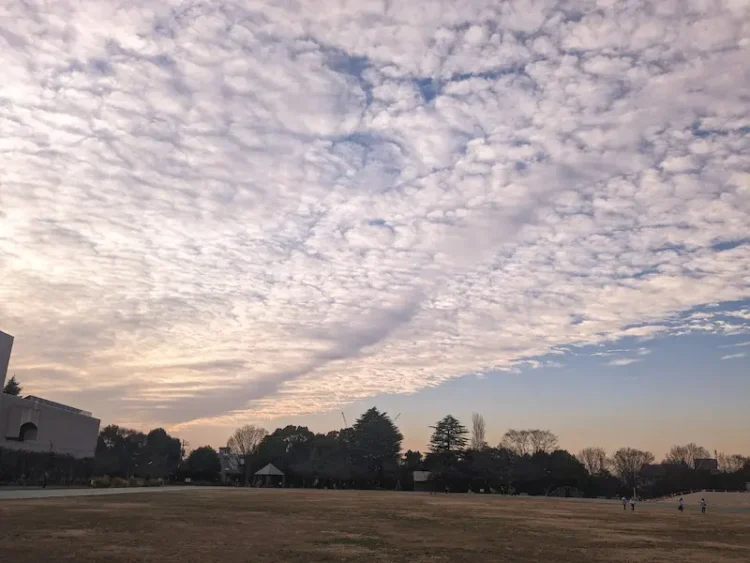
(517, 441)
(627, 464)
(594, 460)
(686, 454)
(245, 441)
(542, 441)
(529, 441)
(478, 431)
(731, 463)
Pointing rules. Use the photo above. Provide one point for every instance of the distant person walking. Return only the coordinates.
(624, 503)
(703, 506)
(680, 505)
(632, 504)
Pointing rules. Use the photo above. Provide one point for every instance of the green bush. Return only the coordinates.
(135, 482)
(119, 483)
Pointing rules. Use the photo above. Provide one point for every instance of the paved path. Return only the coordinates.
(16, 494)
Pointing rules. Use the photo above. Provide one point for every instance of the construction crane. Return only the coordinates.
(346, 424)
(395, 419)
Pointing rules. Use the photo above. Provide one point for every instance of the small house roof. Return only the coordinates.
(421, 476)
(706, 464)
(270, 469)
(654, 470)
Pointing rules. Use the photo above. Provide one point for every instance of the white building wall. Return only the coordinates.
(57, 430)
(6, 345)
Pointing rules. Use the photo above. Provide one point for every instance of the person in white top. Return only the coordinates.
(624, 503)
(632, 504)
(681, 505)
(703, 506)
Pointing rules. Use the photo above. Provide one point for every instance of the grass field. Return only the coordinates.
(230, 526)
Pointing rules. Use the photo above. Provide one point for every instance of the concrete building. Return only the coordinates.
(707, 464)
(232, 467)
(35, 424)
(422, 481)
(6, 346)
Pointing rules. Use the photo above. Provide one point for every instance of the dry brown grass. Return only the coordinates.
(231, 526)
(736, 499)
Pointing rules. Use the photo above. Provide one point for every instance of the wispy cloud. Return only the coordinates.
(229, 211)
(734, 356)
(611, 352)
(620, 351)
(624, 361)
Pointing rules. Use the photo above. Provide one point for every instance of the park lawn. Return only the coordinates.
(228, 526)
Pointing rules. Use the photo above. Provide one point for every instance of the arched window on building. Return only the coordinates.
(28, 432)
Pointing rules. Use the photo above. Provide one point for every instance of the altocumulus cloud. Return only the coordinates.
(219, 211)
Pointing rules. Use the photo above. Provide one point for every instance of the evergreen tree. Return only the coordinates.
(376, 445)
(412, 460)
(12, 387)
(203, 463)
(449, 436)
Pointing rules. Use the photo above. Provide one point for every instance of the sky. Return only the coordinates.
(215, 213)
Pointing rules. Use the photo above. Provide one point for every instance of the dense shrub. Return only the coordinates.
(18, 466)
(101, 482)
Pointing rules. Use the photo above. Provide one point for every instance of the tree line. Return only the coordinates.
(368, 455)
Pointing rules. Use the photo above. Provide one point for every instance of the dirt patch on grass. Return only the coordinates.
(346, 550)
(725, 546)
(337, 534)
(74, 533)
